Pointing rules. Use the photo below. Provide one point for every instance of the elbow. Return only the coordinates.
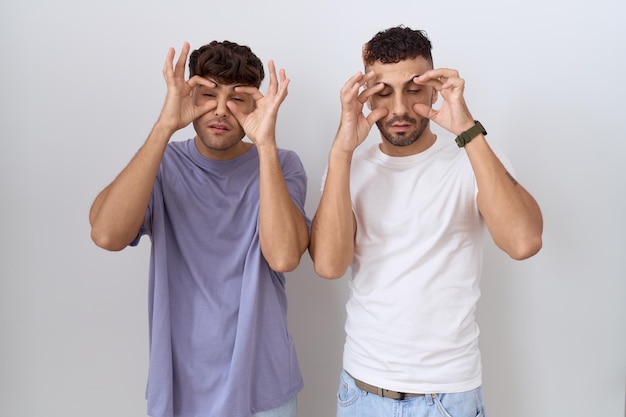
(287, 262)
(526, 248)
(328, 270)
(329, 273)
(328, 266)
(106, 241)
(284, 265)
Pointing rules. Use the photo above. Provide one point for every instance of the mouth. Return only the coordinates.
(218, 127)
(400, 127)
(401, 123)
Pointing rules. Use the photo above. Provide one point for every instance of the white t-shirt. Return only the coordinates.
(415, 275)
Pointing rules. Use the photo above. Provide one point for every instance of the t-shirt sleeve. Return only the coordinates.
(296, 180)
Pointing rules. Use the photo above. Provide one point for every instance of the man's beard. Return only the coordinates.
(403, 139)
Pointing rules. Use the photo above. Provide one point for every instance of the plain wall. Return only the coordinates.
(81, 86)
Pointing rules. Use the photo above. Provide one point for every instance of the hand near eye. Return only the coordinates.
(354, 125)
(260, 124)
(453, 115)
(179, 109)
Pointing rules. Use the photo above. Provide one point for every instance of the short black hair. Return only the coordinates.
(228, 63)
(397, 44)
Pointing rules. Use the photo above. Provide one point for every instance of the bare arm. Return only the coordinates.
(117, 213)
(283, 232)
(512, 215)
(334, 225)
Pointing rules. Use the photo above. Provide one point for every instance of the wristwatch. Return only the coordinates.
(465, 137)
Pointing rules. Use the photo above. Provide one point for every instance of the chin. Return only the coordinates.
(405, 140)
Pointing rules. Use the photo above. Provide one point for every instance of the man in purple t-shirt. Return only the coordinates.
(226, 220)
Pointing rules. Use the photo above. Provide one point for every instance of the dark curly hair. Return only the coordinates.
(228, 63)
(397, 44)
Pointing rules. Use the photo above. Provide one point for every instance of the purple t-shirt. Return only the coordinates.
(219, 344)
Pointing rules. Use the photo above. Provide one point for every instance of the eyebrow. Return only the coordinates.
(410, 81)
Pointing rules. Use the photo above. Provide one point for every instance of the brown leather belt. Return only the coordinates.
(386, 393)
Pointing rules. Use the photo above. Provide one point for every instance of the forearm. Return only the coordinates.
(333, 229)
(118, 211)
(283, 231)
(511, 214)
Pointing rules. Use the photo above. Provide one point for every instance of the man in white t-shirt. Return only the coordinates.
(407, 216)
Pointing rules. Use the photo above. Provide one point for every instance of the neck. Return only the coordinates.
(222, 154)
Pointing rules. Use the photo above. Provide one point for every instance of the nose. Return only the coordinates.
(399, 106)
(221, 110)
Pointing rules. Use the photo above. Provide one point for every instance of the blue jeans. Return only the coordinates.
(289, 409)
(353, 402)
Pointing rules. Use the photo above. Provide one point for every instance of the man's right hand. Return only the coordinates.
(179, 108)
(354, 125)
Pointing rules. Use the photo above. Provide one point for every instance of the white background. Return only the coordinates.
(81, 86)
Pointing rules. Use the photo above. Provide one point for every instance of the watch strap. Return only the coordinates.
(465, 137)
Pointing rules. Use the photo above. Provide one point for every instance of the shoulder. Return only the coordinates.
(178, 148)
(366, 154)
(289, 158)
(287, 154)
